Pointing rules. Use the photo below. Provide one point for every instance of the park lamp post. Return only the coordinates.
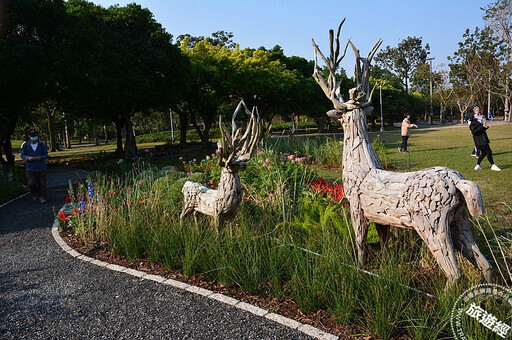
(172, 126)
(431, 107)
(381, 115)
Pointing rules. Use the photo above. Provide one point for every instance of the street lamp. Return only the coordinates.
(381, 115)
(431, 109)
(172, 126)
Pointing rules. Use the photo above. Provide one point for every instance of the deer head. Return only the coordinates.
(360, 96)
(236, 150)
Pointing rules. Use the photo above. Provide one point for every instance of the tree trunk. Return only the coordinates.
(6, 130)
(67, 140)
(105, 133)
(202, 135)
(96, 136)
(183, 127)
(320, 122)
(50, 116)
(130, 146)
(119, 136)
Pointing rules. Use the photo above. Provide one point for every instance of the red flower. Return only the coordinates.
(333, 191)
(68, 199)
(63, 217)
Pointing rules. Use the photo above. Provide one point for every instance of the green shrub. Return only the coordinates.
(94, 175)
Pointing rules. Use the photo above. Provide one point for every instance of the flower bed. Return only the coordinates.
(261, 251)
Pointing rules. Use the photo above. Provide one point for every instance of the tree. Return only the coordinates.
(132, 66)
(498, 16)
(221, 76)
(404, 59)
(442, 89)
(29, 64)
(476, 63)
(219, 38)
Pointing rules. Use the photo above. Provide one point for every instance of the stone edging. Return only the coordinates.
(14, 199)
(304, 328)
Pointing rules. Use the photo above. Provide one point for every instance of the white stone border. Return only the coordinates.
(287, 322)
(14, 199)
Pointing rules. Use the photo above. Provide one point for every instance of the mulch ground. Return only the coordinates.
(321, 319)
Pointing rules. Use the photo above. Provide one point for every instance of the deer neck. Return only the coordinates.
(359, 157)
(229, 189)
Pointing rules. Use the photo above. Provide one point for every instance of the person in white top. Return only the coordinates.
(477, 113)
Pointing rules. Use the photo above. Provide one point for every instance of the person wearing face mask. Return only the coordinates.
(34, 152)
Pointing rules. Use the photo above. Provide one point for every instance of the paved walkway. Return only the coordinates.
(47, 294)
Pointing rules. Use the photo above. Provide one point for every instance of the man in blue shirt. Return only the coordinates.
(34, 152)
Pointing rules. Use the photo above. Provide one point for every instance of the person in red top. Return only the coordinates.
(406, 125)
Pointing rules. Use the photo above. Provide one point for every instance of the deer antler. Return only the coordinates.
(332, 87)
(362, 75)
(236, 150)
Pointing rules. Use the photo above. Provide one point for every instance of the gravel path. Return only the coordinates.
(47, 294)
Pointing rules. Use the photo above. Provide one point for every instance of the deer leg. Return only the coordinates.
(360, 225)
(464, 241)
(218, 221)
(186, 209)
(438, 239)
(383, 231)
(194, 213)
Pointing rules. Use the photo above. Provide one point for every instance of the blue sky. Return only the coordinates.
(292, 24)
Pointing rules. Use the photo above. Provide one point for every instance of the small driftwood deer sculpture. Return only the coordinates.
(434, 201)
(234, 153)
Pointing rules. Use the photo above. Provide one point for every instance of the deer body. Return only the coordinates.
(434, 202)
(234, 153)
(216, 203)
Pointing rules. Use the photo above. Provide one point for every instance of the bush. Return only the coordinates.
(166, 136)
(94, 175)
(288, 125)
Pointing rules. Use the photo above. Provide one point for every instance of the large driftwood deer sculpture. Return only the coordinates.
(434, 201)
(234, 153)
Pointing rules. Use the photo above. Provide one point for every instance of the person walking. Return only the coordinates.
(406, 125)
(479, 132)
(34, 152)
(477, 113)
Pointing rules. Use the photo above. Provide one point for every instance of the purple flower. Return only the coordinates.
(120, 161)
(151, 154)
(147, 150)
(260, 152)
(90, 190)
(181, 158)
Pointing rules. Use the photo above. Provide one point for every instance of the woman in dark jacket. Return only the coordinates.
(482, 142)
